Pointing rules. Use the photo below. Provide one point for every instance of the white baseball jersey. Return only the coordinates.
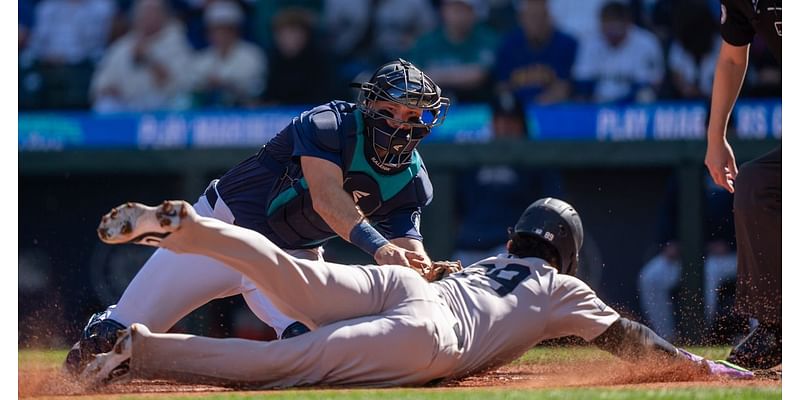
(506, 305)
(371, 325)
(636, 61)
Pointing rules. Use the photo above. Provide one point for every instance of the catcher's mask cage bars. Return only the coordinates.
(408, 86)
(398, 146)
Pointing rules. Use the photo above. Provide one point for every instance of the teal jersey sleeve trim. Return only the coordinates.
(285, 197)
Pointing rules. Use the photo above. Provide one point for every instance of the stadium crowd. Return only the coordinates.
(136, 55)
(146, 55)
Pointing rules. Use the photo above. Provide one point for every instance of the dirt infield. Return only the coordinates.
(38, 381)
(606, 374)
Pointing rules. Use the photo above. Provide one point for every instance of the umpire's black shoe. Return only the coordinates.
(294, 329)
(761, 349)
(98, 336)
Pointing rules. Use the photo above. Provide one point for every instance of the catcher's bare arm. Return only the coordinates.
(337, 208)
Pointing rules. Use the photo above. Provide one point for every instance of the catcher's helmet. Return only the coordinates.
(399, 82)
(559, 224)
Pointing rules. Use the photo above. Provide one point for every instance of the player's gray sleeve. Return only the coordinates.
(633, 341)
(576, 310)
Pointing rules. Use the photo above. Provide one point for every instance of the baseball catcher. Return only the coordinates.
(340, 169)
(380, 326)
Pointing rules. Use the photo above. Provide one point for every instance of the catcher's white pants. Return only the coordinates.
(376, 326)
(170, 286)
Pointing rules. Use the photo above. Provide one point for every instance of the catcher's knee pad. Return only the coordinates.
(99, 336)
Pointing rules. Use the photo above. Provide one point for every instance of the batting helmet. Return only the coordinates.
(399, 82)
(557, 223)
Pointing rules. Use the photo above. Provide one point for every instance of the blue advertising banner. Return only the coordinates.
(658, 121)
(464, 123)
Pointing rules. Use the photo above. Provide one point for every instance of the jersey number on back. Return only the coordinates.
(506, 278)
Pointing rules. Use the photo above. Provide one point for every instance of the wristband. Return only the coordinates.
(366, 238)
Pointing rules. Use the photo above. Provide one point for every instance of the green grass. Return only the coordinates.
(549, 355)
(44, 358)
(542, 355)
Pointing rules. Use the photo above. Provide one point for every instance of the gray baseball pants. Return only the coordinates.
(371, 326)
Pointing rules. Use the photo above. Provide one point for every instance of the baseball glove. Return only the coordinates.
(440, 269)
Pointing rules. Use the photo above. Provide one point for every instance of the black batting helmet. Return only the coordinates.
(557, 223)
(399, 82)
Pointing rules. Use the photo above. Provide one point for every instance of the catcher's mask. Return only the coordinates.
(394, 140)
(556, 222)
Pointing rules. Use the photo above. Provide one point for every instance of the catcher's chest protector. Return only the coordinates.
(291, 215)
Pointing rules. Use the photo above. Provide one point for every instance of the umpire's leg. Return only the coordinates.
(757, 216)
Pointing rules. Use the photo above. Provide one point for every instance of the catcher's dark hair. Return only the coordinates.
(528, 245)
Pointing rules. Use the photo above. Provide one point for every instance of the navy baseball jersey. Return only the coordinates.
(268, 193)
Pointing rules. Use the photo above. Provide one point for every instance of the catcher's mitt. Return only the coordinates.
(440, 269)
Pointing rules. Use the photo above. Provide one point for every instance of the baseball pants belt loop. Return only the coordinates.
(211, 193)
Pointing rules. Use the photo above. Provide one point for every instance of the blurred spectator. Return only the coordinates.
(661, 19)
(146, 68)
(501, 15)
(231, 71)
(459, 54)
(660, 278)
(265, 12)
(507, 188)
(298, 67)
(65, 42)
(347, 34)
(120, 22)
(397, 26)
(534, 62)
(624, 63)
(191, 13)
(692, 56)
(24, 22)
(346, 24)
(578, 18)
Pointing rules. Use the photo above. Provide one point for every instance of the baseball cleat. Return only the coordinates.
(98, 336)
(111, 367)
(141, 224)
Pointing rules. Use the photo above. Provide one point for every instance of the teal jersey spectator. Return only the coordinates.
(462, 68)
(436, 50)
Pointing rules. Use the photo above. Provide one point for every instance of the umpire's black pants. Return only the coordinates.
(757, 216)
